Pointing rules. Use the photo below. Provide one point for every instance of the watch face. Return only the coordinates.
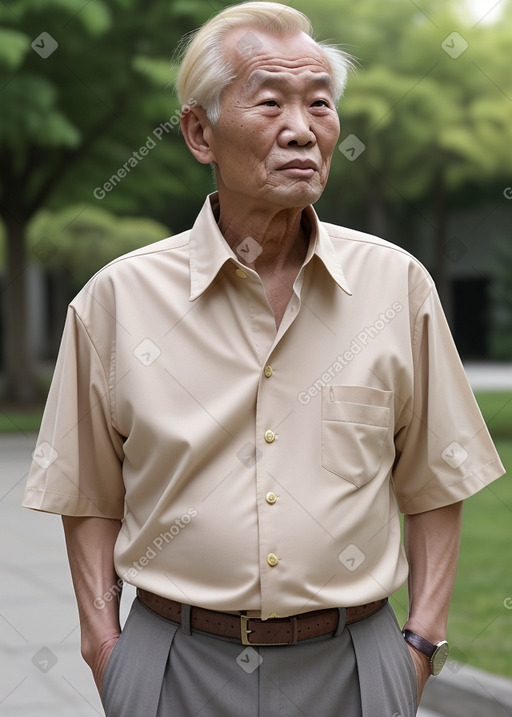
(438, 659)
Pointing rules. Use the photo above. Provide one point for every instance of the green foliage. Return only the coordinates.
(423, 115)
(13, 47)
(420, 112)
(81, 239)
(94, 15)
(82, 87)
(431, 123)
(71, 119)
(31, 113)
(158, 72)
(74, 118)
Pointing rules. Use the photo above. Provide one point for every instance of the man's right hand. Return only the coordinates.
(97, 661)
(90, 542)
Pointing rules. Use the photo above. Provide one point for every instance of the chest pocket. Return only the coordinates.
(355, 422)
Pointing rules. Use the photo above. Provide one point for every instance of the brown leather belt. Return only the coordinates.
(254, 631)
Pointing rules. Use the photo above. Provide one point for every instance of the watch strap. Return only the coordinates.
(418, 642)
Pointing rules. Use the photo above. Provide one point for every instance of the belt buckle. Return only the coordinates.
(245, 632)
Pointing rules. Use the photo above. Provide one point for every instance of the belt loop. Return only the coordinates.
(295, 631)
(185, 619)
(341, 621)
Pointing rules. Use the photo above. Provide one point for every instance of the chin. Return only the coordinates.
(302, 195)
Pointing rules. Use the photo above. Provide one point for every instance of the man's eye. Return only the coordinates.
(320, 103)
(270, 103)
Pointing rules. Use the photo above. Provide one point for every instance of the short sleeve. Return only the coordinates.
(444, 452)
(77, 463)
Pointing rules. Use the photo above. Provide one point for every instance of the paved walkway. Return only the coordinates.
(43, 675)
(42, 672)
(489, 377)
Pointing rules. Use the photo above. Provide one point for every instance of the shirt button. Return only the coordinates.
(271, 498)
(268, 371)
(273, 614)
(270, 436)
(272, 560)
(241, 274)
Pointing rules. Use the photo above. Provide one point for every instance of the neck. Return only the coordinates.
(266, 241)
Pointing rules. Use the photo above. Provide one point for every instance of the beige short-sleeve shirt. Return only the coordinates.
(253, 468)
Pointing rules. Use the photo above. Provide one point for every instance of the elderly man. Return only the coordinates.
(239, 413)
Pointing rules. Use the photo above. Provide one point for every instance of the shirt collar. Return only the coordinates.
(321, 245)
(209, 251)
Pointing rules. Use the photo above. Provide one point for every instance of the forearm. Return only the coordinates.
(432, 542)
(90, 545)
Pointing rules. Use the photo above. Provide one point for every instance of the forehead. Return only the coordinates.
(263, 58)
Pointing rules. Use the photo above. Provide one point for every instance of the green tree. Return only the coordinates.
(72, 244)
(431, 106)
(81, 101)
(78, 100)
(80, 240)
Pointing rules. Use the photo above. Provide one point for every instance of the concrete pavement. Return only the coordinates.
(42, 672)
(489, 377)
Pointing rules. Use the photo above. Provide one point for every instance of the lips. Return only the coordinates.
(299, 168)
(300, 164)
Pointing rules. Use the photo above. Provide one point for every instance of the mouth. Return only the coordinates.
(299, 168)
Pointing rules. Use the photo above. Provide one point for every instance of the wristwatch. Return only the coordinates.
(438, 653)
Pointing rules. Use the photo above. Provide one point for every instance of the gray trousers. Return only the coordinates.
(160, 669)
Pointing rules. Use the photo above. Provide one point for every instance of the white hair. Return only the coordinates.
(204, 72)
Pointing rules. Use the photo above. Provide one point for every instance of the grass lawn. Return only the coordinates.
(480, 625)
(15, 421)
(496, 407)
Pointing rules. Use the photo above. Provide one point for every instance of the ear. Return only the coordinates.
(196, 129)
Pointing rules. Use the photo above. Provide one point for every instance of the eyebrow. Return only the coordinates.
(260, 79)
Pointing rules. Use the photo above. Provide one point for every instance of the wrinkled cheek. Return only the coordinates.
(272, 180)
(324, 173)
(265, 177)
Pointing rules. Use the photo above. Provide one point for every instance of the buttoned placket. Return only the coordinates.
(271, 504)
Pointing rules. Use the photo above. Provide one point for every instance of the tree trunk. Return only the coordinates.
(21, 383)
(376, 208)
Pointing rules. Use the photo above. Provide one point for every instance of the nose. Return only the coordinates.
(297, 129)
